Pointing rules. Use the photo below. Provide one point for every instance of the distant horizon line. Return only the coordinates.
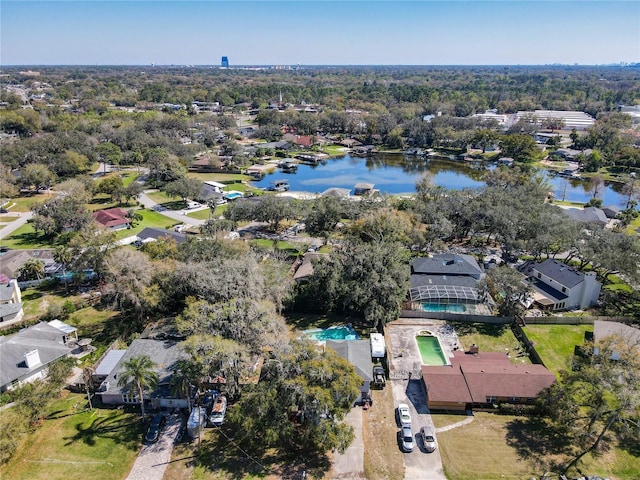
(300, 65)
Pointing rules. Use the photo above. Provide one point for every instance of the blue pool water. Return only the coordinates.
(343, 332)
(441, 307)
(232, 195)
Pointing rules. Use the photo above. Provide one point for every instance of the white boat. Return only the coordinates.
(196, 422)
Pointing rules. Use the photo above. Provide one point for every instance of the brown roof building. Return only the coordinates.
(113, 218)
(481, 380)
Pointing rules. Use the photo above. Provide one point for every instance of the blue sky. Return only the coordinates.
(319, 32)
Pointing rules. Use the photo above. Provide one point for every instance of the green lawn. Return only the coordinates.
(150, 219)
(23, 204)
(220, 177)
(489, 338)
(26, 237)
(162, 198)
(555, 343)
(510, 447)
(76, 443)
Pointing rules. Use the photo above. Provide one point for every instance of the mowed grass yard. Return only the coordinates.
(555, 343)
(489, 338)
(76, 443)
(510, 447)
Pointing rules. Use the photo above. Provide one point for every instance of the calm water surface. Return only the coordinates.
(396, 174)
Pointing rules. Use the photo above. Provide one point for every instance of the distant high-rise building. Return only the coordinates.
(225, 62)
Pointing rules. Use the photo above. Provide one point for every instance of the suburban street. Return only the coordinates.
(20, 220)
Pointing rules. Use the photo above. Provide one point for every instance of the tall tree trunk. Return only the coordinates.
(595, 444)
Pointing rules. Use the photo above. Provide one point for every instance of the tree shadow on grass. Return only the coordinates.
(479, 328)
(31, 239)
(220, 453)
(538, 442)
(125, 430)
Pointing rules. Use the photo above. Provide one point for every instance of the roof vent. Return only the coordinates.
(32, 358)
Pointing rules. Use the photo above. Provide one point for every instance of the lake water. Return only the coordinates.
(395, 174)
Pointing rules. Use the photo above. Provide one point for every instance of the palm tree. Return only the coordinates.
(34, 267)
(181, 381)
(63, 256)
(138, 375)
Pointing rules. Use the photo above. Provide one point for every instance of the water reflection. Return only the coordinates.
(395, 174)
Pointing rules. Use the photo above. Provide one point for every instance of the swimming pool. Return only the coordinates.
(431, 350)
(443, 307)
(233, 194)
(341, 332)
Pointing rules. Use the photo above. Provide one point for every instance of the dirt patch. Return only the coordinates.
(382, 457)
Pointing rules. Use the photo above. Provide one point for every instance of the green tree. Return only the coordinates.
(36, 175)
(506, 286)
(33, 269)
(520, 147)
(138, 375)
(299, 403)
(64, 256)
(323, 216)
(597, 403)
(185, 188)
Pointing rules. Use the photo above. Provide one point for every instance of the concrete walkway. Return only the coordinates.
(350, 464)
(153, 459)
(466, 421)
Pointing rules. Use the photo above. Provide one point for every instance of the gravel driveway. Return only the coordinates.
(153, 459)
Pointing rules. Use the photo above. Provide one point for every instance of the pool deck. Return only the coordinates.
(403, 353)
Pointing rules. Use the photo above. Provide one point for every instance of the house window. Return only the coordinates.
(539, 275)
(514, 399)
(126, 398)
(491, 399)
(564, 289)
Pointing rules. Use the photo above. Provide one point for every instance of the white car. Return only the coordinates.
(404, 415)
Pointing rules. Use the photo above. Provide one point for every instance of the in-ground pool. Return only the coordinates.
(431, 350)
(443, 307)
(342, 332)
(233, 194)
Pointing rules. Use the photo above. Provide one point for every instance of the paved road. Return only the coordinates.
(153, 459)
(19, 221)
(350, 464)
(174, 214)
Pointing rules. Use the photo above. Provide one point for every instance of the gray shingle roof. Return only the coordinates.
(42, 337)
(587, 215)
(358, 353)
(156, 233)
(164, 354)
(447, 264)
(560, 272)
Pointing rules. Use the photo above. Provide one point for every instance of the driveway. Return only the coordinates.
(418, 465)
(144, 199)
(153, 459)
(350, 464)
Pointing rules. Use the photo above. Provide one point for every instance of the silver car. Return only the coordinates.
(428, 439)
(406, 436)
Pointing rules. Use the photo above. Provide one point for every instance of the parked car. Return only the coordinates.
(404, 415)
(406, 436)
(4, 210)
(428, 439)
(155, 427)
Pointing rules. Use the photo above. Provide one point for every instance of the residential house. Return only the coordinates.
(10, 302)
(630, 334)
(164, 354)
(570, 155)
(336, 192)
(363, 188)
(150, 234)
(106, 365)
(483, 380)
(445, 279)
(590, 215)
(611, 211)
(358, 354)
(558, 286)
(112, 218)
(26, 355)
